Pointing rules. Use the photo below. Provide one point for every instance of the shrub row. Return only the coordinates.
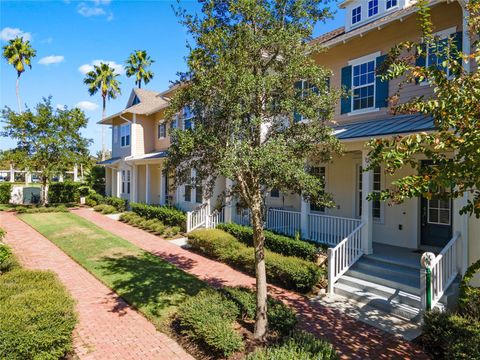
(64, 192)
(277, 243)
(94, 199)
(5, 192)
(450, 336)
(166, 214)
(153, 225)
(469, 296)
(42, 209)
(105, 209)
(286, 271)
(300, 345)
(7, 259)
(209, 318)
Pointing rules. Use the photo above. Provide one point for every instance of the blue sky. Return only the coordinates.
(70, 35)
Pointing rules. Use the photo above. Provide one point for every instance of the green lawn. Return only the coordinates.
(144, 280)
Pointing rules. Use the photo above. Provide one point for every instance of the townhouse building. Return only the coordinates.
(375, 249)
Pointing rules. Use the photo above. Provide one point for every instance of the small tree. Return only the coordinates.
(454, 106)
(247, 111)
(48, 140)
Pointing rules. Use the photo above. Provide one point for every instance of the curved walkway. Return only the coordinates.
(108, 327)
(352, 338)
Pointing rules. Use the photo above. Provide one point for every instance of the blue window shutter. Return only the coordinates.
(422, 58)
(346, 102)
(381, 97)
(458, 40)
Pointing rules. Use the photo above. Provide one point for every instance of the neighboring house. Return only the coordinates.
(376, 248)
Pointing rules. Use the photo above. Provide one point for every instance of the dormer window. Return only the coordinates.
(356, 14)
(391, 3)
(135, 101)
(372, 7)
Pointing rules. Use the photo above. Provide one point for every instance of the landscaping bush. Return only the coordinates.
(42, 209)
(153, 225)
(105, 209)
(449, 336)
(286, 271)
(94, 199)
(277, 243)
(281, 318)
(209, 318)
(469, 296)
(64, 192)
(300, 345)
(7, 259)
(5, 192)
(166, 214)
(117, 203)
(85, 190)
(36, 316)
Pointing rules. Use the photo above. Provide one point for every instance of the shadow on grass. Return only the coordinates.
(148, 283)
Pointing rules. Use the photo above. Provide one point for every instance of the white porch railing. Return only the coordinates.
(242, 218)
(215, 218)
(284, 221)
(344, 255)
(197, 217)
(444, 269)
(330, 230)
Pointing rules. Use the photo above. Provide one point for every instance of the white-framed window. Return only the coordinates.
(356, 14)
(187, 116)
(162, 130)
(126, 181)
(188, 193)
(377, 205)
(125, 135)
(174, 123)
(363, 83)
(439, 211)
(391, 4)
(275, 193)
(319, 172)
(304, 88)
(438, 53)
(372, 7)
(199, 194)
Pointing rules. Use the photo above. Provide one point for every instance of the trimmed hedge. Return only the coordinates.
(105, 209)
(42, 209)
(166, 214)
(286, 271)
(209, 318)
(5, 192)
(153, 225)
(469, 296)
(280, 244)
(448, 336)
(7, 260)
(94, 199)
(64, 192)
(37, 316)
(300, 345)
(119, 204)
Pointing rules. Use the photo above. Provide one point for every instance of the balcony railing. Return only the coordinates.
(284, 221)
(330, 230)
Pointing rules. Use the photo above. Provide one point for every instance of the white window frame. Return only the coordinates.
(391, 7)
(359, 61)
(127, 135)
(351, 15)
(162, 124)
(443, 34)
(378, 8)
(190, 188)
(184, 119)
(126, 182)
(359, 198)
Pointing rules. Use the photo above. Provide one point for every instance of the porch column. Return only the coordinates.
(134, 184)
(28, 177)
(75, 173)
(119, 182)
(147, 183)
(460, 225)
(367, 216)
(60, 177)
(304, 213)
(228, 202)
(12, 173)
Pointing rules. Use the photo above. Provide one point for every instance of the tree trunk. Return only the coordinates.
(103, 128)
(261, 321)
(44, 192)
(17, 90)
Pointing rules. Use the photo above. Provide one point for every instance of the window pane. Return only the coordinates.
(199, 194)
(188, 193)
(433, 216)
(275, 193)
(444, 216)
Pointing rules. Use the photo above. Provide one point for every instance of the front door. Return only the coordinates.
(436, 221)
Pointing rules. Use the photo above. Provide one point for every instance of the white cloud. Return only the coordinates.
(60, 106)
(85, 68)
(48, 40)
(52, 59)
(87, 105)
(102, 2)
(8, 33)
(95, 8)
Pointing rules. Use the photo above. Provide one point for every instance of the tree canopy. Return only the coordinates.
(454, 105)
(137, 65)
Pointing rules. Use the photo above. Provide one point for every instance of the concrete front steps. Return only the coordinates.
(388, 286)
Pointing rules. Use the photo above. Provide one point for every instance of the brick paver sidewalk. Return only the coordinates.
(108, 328)
(352, 338)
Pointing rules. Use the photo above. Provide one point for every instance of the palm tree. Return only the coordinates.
(137, 65)
(19, 53)
(103, 79)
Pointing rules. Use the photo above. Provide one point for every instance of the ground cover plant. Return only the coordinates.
(154, 226)
(152, 285)
(286, 271)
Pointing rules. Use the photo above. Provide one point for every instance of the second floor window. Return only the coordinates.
(391, 4)
(372, 7)
(162, 131)
(187, 118)
(364, 85)
(125, 135)
(356, 15)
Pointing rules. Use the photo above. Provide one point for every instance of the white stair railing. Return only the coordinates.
(344, 255)
(444, 269)
(197, 217)
(215, 218)
(242, 218)
(330, 230)
(284, 221)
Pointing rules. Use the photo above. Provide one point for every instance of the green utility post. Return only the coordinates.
(428, 285)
